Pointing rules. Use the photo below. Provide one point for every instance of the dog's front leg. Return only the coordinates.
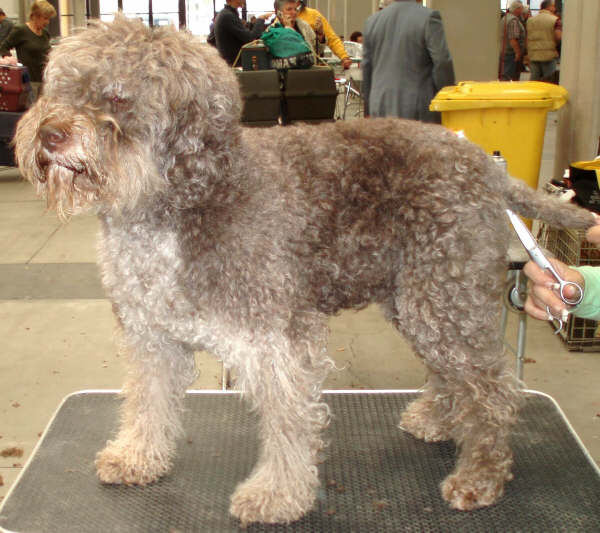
(159, 372)
(283, 379)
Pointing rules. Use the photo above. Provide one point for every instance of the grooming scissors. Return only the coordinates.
(538, 257)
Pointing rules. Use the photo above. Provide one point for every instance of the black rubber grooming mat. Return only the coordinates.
(375, 477)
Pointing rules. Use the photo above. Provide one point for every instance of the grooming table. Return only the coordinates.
(375, 478)
(514, 300)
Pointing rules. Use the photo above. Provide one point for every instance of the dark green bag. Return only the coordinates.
(287, 48)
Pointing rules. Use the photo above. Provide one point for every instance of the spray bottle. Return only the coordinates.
(499, 160)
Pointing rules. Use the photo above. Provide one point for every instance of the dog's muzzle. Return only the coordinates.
(71, 145)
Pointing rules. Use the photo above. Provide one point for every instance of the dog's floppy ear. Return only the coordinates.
(198, 125)
(200, 90)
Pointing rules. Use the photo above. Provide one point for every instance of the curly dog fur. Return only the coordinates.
(242, 242)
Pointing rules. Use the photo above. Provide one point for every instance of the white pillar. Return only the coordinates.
(579, 121)
(79, 19)
(24, 7)
(471, 28)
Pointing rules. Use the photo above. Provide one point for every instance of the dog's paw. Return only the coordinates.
(118, 464)
(466, 493)
(270, 502)
(419, 422)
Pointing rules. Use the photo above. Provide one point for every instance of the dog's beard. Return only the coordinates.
(69, 189)
(73, 184)
(70, 178)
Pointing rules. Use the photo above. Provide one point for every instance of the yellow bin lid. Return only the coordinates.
(486, 94)
(587, 165)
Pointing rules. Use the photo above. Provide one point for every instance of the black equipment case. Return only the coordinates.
(306, 95)
(261, 97)
(310, 94)
(255, 56)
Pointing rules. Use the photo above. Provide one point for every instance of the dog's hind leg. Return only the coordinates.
(449, 305)
(150, 415)
(483, 408)
(283, 378)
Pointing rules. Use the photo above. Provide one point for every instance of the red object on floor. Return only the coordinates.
(15, 89)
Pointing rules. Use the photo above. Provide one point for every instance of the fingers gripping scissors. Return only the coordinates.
(538, 257)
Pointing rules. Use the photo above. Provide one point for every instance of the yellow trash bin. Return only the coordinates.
(505, 116)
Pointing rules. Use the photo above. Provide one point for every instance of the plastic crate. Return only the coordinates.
(571, 247)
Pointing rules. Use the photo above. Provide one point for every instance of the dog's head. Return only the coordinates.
(123, 105)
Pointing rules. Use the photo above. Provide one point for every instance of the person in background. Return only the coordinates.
(541, 291)
(5, 26)
(323, 31)
(544, 33)
(32, 42)
(522, 65)
(287, 15)
(356, 37)
(512, 39)
(210, 38)
(405, 61)
(231, 34)
(525, 16)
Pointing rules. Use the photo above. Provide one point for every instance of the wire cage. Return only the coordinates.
(571, 247)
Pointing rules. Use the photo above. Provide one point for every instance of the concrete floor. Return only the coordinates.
(56, 333)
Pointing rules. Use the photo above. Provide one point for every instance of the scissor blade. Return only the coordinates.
(530, 244)
(523, 232)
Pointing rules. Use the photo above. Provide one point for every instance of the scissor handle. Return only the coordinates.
(555, 320)
(573, 300)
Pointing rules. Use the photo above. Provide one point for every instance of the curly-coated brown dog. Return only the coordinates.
(242, 242)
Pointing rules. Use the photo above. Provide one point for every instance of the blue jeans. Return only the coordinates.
(542, 70)
(508, 67)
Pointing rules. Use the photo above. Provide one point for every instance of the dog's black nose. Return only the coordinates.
(52, 138)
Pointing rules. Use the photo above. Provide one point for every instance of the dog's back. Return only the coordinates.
(366, 192)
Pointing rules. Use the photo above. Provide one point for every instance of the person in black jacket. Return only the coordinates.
(231, 34)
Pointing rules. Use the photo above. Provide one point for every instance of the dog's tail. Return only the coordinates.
(539, 205)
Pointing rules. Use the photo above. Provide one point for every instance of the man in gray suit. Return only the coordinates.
(406, 61)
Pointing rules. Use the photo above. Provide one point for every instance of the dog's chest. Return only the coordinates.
(141, 269)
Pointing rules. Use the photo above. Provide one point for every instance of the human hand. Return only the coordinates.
(286, 20)
(346, 63)
(318, 26)
(9, 60)
(542, 292)
(319, 31)
(593, 234)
